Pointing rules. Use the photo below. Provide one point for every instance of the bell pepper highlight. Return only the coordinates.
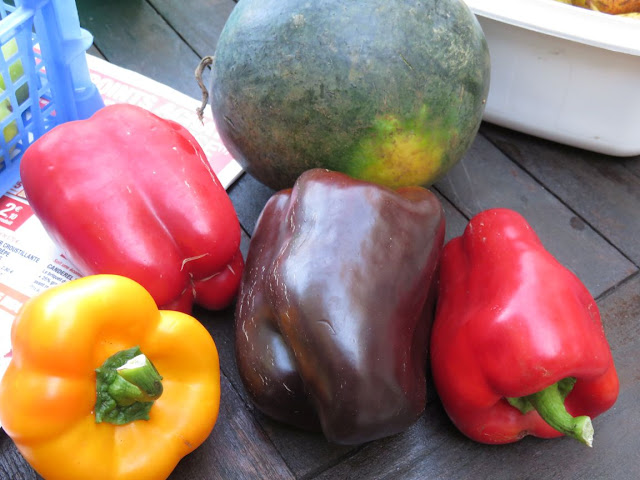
(103, 384)
(336, 304)
(126, 192)
(517, 346)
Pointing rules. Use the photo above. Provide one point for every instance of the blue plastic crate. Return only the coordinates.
(45, 75)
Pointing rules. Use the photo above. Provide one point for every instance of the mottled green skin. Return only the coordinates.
(391, 91)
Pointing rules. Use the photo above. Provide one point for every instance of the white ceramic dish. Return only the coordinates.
(563, 73)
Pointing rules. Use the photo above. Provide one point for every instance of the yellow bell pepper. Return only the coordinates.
(80, 401)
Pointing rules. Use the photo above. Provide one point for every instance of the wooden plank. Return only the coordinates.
(433, 434)
(620, 311)
(249, 197)
(633, 165)
(12, 463)
(455, 221)
(434, 449)
(303, 452)
(93, 50)
(237, 448)
(198, 21)
(599, 188)
(133, 35)
(485, 178)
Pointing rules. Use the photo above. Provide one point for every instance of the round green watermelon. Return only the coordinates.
(389, 91)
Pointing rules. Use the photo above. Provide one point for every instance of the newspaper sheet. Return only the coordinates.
(29, 260)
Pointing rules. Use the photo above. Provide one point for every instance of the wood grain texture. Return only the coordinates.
(633, 165)
(303, 452)
(249, 197)
(237, 448)
(133, 35)
(12, 464)
(198, 21)
(584, 206)
(486, 178)
(433, 449)
(604, 191)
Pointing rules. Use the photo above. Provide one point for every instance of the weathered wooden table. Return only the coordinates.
(584, 206)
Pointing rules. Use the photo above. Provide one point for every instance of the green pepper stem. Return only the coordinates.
(127, 384)
(549, 403)
(137, 381)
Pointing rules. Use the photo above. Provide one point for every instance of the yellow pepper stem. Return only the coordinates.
(127, 384)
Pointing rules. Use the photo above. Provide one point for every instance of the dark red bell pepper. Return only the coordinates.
(517, 346)
(129, 193)
(336, 303)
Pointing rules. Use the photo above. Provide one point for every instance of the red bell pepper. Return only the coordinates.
(517, 345)
(126, 192)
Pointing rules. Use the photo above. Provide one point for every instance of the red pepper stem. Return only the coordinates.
(549, 404)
